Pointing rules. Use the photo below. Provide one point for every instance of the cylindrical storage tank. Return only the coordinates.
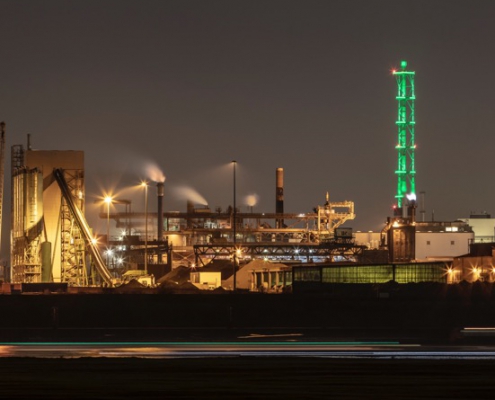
(46, 262)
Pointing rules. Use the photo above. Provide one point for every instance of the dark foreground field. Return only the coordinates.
(245, 377)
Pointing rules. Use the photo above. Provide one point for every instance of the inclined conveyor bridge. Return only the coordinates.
(81, 222)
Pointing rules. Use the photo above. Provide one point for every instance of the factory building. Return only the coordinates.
(400, 273)
(477, 265)
(46, 244)
(434, 240)
(49, 234)
(483, 226)
(442, 240)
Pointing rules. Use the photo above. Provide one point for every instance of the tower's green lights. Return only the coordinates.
(405, 123)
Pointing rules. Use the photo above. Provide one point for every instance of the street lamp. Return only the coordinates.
(234, 163)
(108, 200)
(144, 184)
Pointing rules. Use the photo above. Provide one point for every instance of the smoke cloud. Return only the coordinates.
(188, 193)
(154, 173)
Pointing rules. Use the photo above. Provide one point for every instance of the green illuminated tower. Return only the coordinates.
(406, 184)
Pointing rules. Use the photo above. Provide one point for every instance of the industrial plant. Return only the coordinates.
(51, 241)
(156, 275)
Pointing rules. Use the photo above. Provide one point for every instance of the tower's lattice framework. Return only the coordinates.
(405, 123)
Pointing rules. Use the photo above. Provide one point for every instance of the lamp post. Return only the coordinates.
(145, 185)
(108, 201)
(234, 163)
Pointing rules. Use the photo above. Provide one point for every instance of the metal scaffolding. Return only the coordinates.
(72, 243)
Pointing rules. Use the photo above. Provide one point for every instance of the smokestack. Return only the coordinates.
(422, 205)
(160, 190)
(279, 196)
(190, 210)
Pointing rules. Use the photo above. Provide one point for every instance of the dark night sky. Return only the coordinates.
(303, 85)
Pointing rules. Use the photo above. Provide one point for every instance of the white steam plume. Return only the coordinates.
(154, 173)
(188, 193)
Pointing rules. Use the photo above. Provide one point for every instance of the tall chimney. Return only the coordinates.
(190, 210)
(160, 191)
(422, 205)
(279, 196)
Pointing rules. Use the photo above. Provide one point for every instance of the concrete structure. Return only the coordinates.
(483, 226)
(206, 280)
(478, 265)
(441, 240)
(369, 239)
(47, 246)
(262, 276)
(441, 245)
(434, 240)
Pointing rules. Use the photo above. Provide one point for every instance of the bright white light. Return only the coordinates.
(108, 199)
(252, 200)
(411, 196)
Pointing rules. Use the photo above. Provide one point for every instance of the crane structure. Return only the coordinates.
(406, 185)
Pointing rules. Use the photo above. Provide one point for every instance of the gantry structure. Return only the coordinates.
(199, 235)
(406, 146)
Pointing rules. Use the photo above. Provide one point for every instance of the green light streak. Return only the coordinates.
(199, 344)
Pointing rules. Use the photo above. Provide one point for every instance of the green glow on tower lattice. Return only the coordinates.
(405, 123)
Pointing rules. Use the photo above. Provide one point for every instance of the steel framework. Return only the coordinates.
(406, 146)
(344, 248)
(72, 195)
(73, 269)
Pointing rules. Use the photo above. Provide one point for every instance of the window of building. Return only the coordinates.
(428, 243)
(452, 242)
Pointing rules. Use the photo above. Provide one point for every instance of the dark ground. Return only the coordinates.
(245, 377)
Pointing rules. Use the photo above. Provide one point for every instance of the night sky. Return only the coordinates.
(304, 85)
